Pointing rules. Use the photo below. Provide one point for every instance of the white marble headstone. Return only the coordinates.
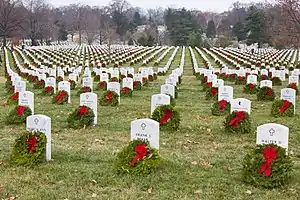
(240, 104)
(127, 82)
(87, 82)
(266, 83)
(252, 79)
(65, 86)
(51, 82)
(20, 86)
(114, 87)
(27, 99)
(216, 83)
(90, 100)
(168, 89)
(159, 100)
(289, 94)
(225, 93)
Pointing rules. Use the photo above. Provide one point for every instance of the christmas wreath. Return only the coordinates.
(295, 87)
(29, 149)
(61, 97)
(59, 79)
(212, 93)
(18, 115)
(72, 84)
(129, 76)
(32, 79)
(263, 77)
(126, 92)
(203, 79)
(145, 81)
(102, 85)
(220, 108)
(276, 81)
(206, 86)
(13, 99)
(97, 78)
(138, 158)
(265, 94)
(150, 78)
(250, 89)
(232, 77)
(161, 73)
(84, 90)
(238, 122)
(240, 80)
(82, 117)
(137, 85)
(109, 98)
(167, 116)
(267, 166)
(114, 79)
(49, 90)
(39, 85)
(282, 108)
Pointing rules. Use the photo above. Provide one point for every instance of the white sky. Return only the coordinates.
(203, 5)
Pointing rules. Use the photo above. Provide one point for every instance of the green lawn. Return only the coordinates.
(200, 160)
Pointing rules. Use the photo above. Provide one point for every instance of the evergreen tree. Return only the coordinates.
(239, 31)
(211, 29)
(62, 33)
(137, 20)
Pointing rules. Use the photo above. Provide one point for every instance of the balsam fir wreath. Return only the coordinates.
(150, 78)
(49, 90)
(211, 93)
(61, 97)
(18, 115)
(72, 84)
(59, 79)
(129, 76)
(276, 81)
(29, 149)
(114, 79)
(82, 117)
(126, 92)
(13, 99)
(232, 77)
(265, 94)
(206, 86)
(97, 78)
(138, 158)
(167, 116)
(250, 89)
(145, 81)
(267, 166)
(137, 85)
(263, 77)
(102, 85)
(238, 122)
(220, 108)
(295, 87)
(109, 98)
(39, 85)
(240, 80)
(282, 108)
(84, 90)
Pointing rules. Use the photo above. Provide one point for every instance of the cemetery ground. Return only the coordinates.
(200, 160)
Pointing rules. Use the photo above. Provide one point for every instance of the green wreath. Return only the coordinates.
(126, 92)
(29, 154)
(295, 87)
(61, 97)
(206, 86)
(276, 81)
(242, 127)
(39, 85)
(211, 93)
(49, 91)
(109, 98)
(150, 78)
(137, 85)
(10, 90)
(84, 90)
(13, 99)
(147, 165)
(102, 85)
(278, 111)
(167, 116)
(250, 89)
(281, 167)
(266, 94)
(82, 117)
(218, 108)
(232, 77)
(72, 84)
(145, 81)
(18, 115)
(240, 80)
(262, 77)
(114, 79)
(97, 78)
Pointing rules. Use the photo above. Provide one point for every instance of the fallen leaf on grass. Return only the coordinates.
(207, 164)
(149, 190)
(228, 169)
(248, 192)
(12, 198)
(94, 181)
(3, 164)
(94, 195)
(198, 192)
(194, 163)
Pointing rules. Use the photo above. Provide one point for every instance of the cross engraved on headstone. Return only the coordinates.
(36, 121)
(87, 96)
(143, 125)
(271, 131)
(240, 103)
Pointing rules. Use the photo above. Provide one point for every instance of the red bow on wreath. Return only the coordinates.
(60, 96)
(49, 89)
(102, 84)
(239, 116)
(31, 144)
(21, 110)
(209, 84)
(270, 154)
(141, 151)
(86, 89)
(222, 105)
(286, 104)
(251, 86)
(293, 86)
(41, 82)
(166, 118)
(83, 111)
(15, 97)
(269, 93)
(109, 97)
(126, 90)
(240, 78)
(214, 92)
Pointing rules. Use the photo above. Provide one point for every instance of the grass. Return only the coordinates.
(82, 166)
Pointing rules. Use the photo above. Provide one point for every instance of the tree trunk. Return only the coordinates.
(80, 37)
(4, 40)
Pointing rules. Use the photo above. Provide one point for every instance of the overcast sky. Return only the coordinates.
(203, 5)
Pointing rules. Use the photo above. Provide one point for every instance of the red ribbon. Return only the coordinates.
(61, 96)
(15, 97)
(102, 84)
(31, 144)
(286, 104)
(41, 82)
(141, 151)
(239, 116)
(109, 97)
(166, 118)
(269, 93)
(86, 89)
(83, 111)
(240, 78)
(264, 77)
(251, 86)
(214, 92)
(222, 105)
(209, 84)
(270, 154)
(293, 86)
(21, 110)
(48, 89)
(126, 90)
